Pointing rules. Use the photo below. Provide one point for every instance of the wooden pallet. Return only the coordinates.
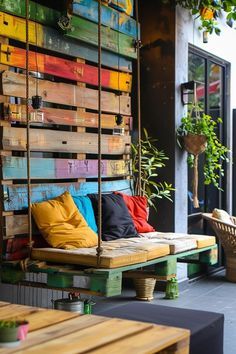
(104, 282)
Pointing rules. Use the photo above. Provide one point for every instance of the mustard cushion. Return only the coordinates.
(62, 225)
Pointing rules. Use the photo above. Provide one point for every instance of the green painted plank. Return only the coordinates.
(37, 12)
(114, 41)
(109, 17)
(14, 27)
(15, 196)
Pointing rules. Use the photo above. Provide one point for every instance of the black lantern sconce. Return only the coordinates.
(189, 92)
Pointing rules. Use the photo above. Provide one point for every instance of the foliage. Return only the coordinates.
(215, 153)
(209, 18)
(151, 160)
(8, 324)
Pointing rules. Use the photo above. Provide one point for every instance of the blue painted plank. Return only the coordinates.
(48, 168)
(109, 17)
(15, 196)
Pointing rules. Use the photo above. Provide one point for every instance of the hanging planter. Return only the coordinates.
(197, 134)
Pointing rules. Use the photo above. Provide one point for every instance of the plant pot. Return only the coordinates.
(195, 144)
(23, 330)
(9, 334)
(144, 288)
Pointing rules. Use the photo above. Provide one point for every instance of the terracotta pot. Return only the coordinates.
(195, 144)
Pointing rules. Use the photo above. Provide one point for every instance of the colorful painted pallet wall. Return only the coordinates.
(126, 6)
(109, 17)
(68, 69)
(63, 146)
(114, 41)
(71, 95)
(48, 38)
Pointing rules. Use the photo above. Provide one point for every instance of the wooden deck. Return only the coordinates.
(52, 331)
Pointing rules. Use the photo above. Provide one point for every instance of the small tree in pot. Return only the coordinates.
(198, 133)
(152, 159)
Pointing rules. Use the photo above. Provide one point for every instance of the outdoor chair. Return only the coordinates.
(226, 232)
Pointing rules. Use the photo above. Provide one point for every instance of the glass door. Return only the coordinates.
(210, 73)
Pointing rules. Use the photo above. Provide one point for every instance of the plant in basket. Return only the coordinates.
(197, 134)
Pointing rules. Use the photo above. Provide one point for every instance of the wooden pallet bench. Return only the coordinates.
(102, 282)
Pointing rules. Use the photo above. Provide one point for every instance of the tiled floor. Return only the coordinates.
(213, 293)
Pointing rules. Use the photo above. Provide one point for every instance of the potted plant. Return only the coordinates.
(13, 330)
(152, 159)
(198, 133)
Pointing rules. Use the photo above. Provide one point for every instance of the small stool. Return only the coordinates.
(207, 328)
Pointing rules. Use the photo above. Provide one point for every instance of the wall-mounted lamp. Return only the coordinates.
(189, 92)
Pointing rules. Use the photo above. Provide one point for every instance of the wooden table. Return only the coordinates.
(53, 331)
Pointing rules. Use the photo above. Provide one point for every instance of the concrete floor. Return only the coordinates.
(212, 293)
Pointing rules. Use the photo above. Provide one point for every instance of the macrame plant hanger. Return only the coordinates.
(195, 144)
(99, 247)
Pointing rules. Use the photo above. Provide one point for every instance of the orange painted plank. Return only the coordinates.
(15, 85)
(17, 113)
(68, 69)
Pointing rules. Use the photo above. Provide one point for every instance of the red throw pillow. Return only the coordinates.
(138, 210)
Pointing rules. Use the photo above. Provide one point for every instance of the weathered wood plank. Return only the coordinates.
(114, 41)
(17, 113)
(46, 168)
(58, 141)
(126, 6)
(37, 12)
(43, 335)
(68, 69)
(14, 85)
(45, 37)
(15, 196)
(109, 17)
(92, 337)
(15, 225)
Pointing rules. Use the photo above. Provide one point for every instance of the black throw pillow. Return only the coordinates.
(116, 219)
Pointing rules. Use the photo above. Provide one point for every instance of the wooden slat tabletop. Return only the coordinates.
(53, 331)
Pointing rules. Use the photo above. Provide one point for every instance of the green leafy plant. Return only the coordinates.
(9, 324)
(199, 123)
(209, 11)
(152, 160)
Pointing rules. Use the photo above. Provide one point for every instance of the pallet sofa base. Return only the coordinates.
(99, 282)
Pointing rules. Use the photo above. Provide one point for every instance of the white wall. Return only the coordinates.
(224, 47)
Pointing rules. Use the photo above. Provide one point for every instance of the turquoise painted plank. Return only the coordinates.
(37, 12)
(109, 17)
(15, 196)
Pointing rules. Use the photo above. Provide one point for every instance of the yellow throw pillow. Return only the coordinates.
(62, 225)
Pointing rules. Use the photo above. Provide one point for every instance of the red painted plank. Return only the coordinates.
(68, 69)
